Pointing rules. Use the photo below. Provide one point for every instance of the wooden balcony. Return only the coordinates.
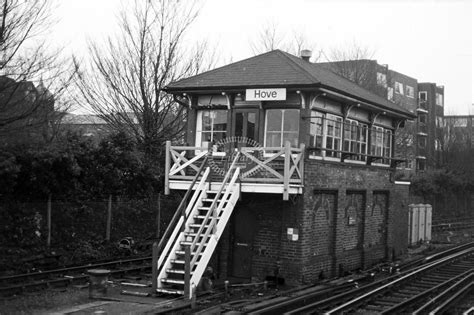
(276, 170)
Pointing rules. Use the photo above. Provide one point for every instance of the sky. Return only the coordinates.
(430, 40)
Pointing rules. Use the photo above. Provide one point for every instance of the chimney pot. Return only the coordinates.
(305, 54)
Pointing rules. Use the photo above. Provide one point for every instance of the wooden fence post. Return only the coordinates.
(109, 218)
(187, 272)
(154, 268)
(158, 217)
(48, 218)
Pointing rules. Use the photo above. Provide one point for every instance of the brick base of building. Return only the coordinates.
(348, 218)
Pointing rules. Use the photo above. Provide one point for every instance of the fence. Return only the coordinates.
(27, 224)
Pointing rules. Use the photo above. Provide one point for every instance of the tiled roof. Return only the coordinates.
(278, 69)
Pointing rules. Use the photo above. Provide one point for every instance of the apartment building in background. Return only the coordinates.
(419, 141)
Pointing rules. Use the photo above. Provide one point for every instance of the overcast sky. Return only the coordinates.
(425, 39)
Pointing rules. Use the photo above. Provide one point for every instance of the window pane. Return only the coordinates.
(292, 137)
(274, 117)
(220, 120)
(273, 139)
(206, 121)
(291, 120)
(239, 121)
(251, 125)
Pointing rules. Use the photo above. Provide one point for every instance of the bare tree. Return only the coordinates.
(352, 62)
(124, 79)
(32, 74)
(271, 37)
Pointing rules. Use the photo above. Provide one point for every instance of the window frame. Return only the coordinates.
(199, 130)
(397, 91)
(381, 144)
(356, 141)
(335, 141)
(409, 88)
(281, 131)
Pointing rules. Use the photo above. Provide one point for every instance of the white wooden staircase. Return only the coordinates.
(198, 230)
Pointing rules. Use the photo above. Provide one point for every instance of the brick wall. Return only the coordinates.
(370, 217)
(349, 217)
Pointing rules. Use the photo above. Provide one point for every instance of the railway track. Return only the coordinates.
(444, 279)
(18, 284)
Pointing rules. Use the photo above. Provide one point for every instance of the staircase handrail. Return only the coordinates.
(211, 210)
(179, 211)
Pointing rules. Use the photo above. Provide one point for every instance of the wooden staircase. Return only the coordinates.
(197, 231)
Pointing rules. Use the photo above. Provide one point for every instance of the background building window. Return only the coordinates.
(211, 127)
(398, 88)
(381, 79)
(282, 125)
(422, 118)
(439, 99)
(390, 93)
(410, 91)
(326, 133)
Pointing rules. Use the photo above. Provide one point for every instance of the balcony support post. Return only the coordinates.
(286, 171)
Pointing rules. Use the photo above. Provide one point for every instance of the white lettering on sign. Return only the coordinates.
(265, 94)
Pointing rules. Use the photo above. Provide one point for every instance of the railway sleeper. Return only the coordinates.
(383, 303)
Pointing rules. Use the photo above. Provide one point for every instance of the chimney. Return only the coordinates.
(305, 54)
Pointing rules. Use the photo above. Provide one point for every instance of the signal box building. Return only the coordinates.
(289, 172)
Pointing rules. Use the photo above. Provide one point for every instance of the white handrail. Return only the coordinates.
(197, 193)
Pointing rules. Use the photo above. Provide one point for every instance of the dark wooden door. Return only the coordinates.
(243, 234)
(245, 126)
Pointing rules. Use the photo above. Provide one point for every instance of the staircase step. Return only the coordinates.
(178, 271)
(169, 291)
(174, 281)
(196, 226)
(204, 208)
(181, 252)
(192, 234)
(203, 217)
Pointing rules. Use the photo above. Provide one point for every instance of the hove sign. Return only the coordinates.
(265, 94)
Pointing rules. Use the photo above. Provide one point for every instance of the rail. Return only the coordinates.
(214, 212)
(179, 218)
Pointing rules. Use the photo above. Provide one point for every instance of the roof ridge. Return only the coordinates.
(287, 57)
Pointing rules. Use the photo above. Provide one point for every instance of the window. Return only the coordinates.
(422, 99)
(326, 133)
(211, 128)
(381, 144)
(422, 118)
(355, 139)
(398, 88)
(439, 122)
(381, 79)
(390, 93)
(282, 125)
(410, 91)
(439, 99)
(422, 142)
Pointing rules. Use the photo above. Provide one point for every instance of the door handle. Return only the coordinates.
(242, 244)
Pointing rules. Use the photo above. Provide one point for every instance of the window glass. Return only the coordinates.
(274, 120)
(211, 128)
(410, 91)
(381, 79)
(399, 88)
(439, 99)
(282, 125)
(390, 93)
